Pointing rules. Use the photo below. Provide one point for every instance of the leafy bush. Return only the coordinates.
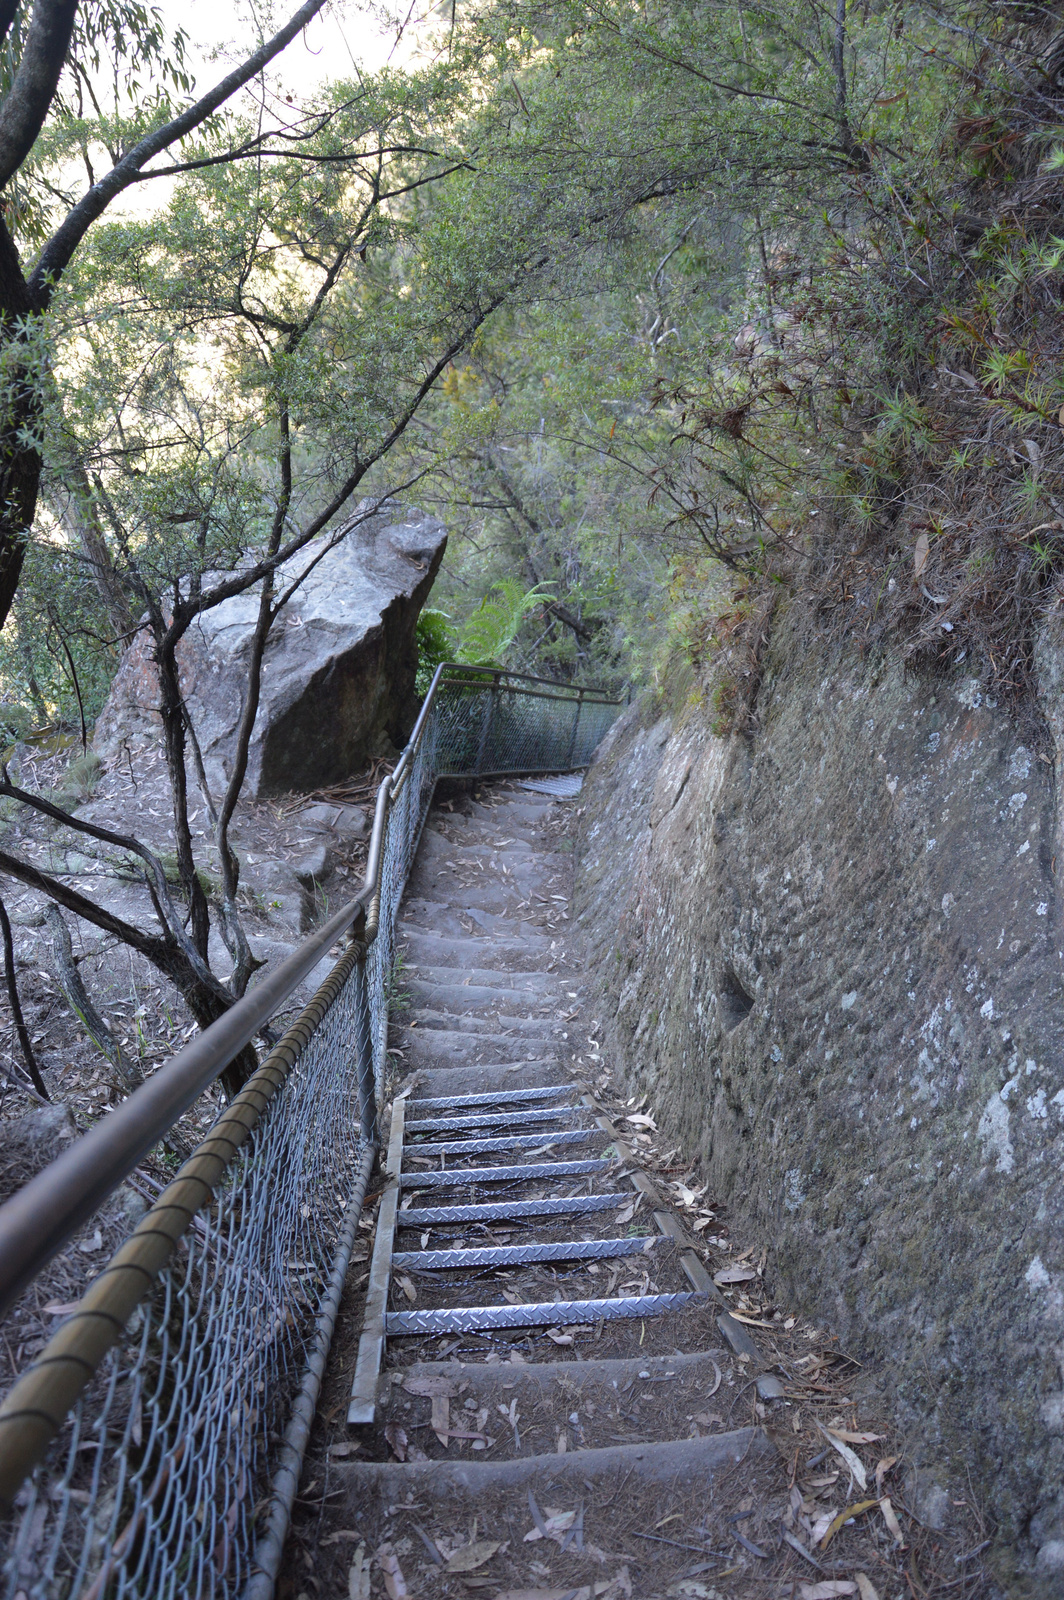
(490, 633)
(436, 643)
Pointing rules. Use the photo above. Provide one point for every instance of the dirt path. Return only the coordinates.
(704, 1442)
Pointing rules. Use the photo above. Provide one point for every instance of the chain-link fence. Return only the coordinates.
(173, 1474)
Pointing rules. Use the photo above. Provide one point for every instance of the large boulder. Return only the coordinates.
(338, 673)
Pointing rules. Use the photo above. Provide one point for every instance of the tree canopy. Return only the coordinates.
(675, 313)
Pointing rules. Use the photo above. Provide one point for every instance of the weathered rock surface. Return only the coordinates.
(834, 949)
(338, 673)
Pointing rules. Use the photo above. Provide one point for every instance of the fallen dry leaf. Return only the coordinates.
(882, 1468)
(358, 1577)
(855, 1438)
(641, 1120)
(734, 1275)
(396, 1437)
(826, 1590)
(892, 1523)
(468, 1557)
(558, 1336)
(853, 1461)
(866, 1586)
(843, 1517)
(407, 1286)
(441, 1418)
(821, 1525)
(544, 1594)
(558, 1523)
(338, 1451)
(394, 1582)
(920, 554)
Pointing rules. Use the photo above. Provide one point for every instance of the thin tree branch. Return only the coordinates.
(168, 912)
(57, 253)
(25, 1043)
(126, 1076)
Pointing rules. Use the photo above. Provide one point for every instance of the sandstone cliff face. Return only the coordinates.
(835, 953)
(338, 672)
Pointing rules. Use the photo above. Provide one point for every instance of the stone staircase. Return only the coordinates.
(566, 1408)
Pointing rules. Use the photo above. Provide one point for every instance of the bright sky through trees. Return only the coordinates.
(346, 34)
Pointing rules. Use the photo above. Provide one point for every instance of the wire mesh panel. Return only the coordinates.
(152, 1489)
(157, 1485)
(479, 722)
(502, 724)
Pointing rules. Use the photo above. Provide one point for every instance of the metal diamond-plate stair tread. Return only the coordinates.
(514, 1216)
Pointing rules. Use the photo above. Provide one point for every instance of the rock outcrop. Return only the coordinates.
(338, 673)
(834, 953)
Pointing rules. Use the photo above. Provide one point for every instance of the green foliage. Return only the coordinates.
(436, 643)
(660, 387)
(83, 775)
(490, 632)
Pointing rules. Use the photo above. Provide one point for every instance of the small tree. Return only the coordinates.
(227, 376)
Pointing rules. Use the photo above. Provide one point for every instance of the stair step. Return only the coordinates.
(554, 1313)
(489, 1024)
(488, 1117)
(523, 982)
(441, 916)
(687, 1461)
(457, 998)
(512, 1255)
(499, 1211)
(505, 1097)
(512, 1141)
(459, 1047)
(505, 1378)
(455, 1176)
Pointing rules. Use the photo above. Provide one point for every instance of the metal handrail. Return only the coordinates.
(41, 1216)
(36, 1222)
(603, 696)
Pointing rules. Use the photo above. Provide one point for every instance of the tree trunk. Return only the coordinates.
(76, 510)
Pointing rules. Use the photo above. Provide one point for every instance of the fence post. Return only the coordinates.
(576, 725)
(485, 726)
(367, 1083)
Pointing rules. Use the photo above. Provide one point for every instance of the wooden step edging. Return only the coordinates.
(363, 1403)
